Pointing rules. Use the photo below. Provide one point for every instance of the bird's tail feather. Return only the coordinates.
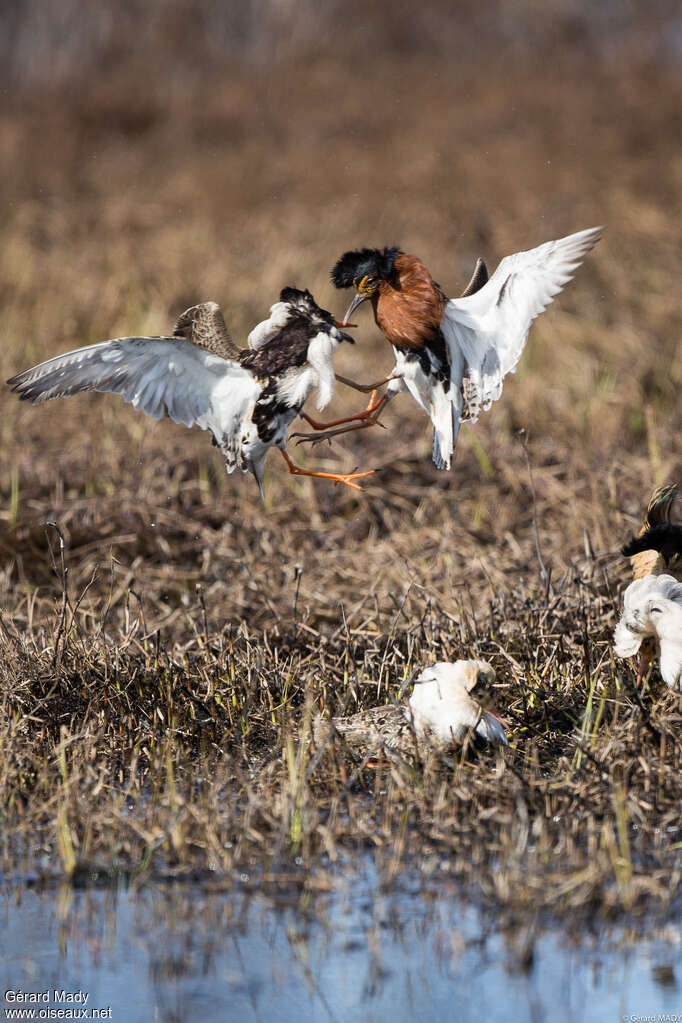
(445, 435)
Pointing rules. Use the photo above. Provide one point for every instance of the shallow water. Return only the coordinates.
(178, 953)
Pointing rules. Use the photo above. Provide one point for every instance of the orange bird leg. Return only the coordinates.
(365, 388)
(370, 417)
(348, 478)
(367, 413)
(645, 660)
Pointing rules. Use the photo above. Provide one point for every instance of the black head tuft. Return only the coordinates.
(353, 266)
(665, 538)
(302, 300)
(303, 303)
(634, 546)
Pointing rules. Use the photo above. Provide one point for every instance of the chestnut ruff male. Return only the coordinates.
(453, 354)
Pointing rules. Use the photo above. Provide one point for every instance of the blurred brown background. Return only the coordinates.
(158, 154)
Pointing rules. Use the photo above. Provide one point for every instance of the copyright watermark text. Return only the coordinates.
(53, 1003)
(658, 1017)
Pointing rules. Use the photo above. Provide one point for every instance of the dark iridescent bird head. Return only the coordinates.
(364, 270)
(303, 303)
(364, 267)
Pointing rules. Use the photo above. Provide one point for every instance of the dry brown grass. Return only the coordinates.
(160, 722)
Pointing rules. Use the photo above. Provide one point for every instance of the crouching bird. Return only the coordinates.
(652, 611)
(658, 546)
(440, 711)
(453, 354)
(651, 623)
(198, 376)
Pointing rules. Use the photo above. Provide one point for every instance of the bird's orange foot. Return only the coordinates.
(346, 478)
(349, 477)
(316, 438)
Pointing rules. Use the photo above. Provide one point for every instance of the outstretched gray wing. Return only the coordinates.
(160, 376)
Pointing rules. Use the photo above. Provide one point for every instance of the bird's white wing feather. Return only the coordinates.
(426, 703)
(320, 351)
(438, 712)
(445, 417)
(157, 375)
(640, 591)
(487, 331)
(426, 698)
(267, 329)
(626, 643)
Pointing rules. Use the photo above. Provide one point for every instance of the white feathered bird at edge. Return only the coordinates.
(652, 609)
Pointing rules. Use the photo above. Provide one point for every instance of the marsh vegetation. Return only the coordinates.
(158, 685)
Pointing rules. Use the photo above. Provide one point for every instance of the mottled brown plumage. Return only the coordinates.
(378, 729)
(478, 279)
(441, 712)
(204, 325)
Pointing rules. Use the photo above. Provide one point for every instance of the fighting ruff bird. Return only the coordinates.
(453, 354)
(657, 547)
(655, 550)
(246, 398)
(440, 711)
(652, 609)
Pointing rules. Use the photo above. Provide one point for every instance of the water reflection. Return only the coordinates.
(180, 953)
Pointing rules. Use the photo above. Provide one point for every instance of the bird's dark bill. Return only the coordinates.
(357, 300)
(505, 724)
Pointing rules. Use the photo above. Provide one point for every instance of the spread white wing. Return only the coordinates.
(160, 376)
(486, 332)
